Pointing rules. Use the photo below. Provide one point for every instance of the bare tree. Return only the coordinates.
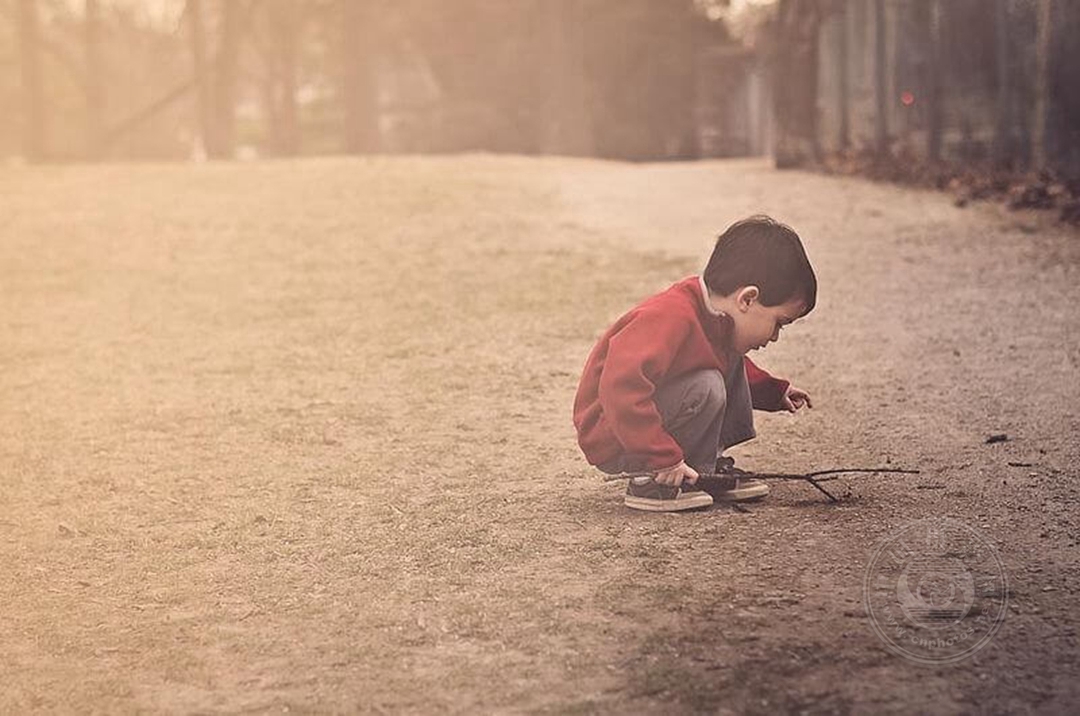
(33, 92)
(1042, 85)
(881, 100)
(567, 126)
(1002, 148)
(359, 53)
(233, 19)
(215, 79)
(934, 80)
(795, 67)
(281, 25)
(844, 138)
(95, 101)
(203, 98)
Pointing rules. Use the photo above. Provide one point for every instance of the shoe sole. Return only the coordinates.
(678, 505)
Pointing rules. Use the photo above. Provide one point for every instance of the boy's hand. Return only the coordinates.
(795, 398)
(676, 475)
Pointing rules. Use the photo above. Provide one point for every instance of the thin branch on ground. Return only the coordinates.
(814, 478)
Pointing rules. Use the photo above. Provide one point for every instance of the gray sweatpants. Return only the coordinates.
(705, 413)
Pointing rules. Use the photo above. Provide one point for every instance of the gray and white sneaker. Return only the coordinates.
(732, 485)
(742, 489)
(644, 493)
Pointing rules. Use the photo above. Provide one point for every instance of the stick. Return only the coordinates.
(814, 478)
(771, 475)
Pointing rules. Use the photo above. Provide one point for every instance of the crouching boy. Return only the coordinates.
(668, 387)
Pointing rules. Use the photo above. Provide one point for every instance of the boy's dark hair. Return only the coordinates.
(762, 252)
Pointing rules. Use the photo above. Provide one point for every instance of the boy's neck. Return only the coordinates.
(711, 302)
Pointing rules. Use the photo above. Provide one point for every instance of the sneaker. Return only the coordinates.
(644, 493)
(726, 466)
(743, 489)
(731, 486)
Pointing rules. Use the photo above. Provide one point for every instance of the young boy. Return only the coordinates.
(668, 387)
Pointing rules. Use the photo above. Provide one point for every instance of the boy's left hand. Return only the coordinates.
(795, 398)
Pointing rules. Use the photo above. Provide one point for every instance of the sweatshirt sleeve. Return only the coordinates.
(766, 392)
(639, 355)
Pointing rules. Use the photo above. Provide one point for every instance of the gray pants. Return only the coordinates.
(705, 413)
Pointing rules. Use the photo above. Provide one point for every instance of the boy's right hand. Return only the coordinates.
(676, 475)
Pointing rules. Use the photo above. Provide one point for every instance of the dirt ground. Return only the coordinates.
(296, 437)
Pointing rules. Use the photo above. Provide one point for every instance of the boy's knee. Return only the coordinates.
(706, 392)
(694, 395)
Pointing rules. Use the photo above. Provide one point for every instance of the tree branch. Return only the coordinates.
(726, 480)
(147, 112)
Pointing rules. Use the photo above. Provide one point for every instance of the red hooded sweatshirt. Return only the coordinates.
(666, 336)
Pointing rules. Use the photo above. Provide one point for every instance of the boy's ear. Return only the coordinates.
(746, 296)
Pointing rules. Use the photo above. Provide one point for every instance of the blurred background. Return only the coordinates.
(992, 81)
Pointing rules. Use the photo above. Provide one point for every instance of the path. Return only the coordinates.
(297, 435)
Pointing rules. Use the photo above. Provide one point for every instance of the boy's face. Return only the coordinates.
(757, 325)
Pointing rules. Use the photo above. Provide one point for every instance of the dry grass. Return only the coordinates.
(298, 435)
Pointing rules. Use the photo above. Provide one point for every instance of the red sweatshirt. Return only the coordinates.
(668, 335)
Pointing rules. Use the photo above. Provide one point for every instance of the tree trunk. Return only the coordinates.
(844, 140)
(567, 126)
(1002, 150)
(1042, 85)
(224, 85)
(288, 111)
(690, 145)
(203, 95)
(881, 120)
(93, 81)
(359, 54)
(933, 90)
(283, 20)
(795, 71)
(32, 88)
